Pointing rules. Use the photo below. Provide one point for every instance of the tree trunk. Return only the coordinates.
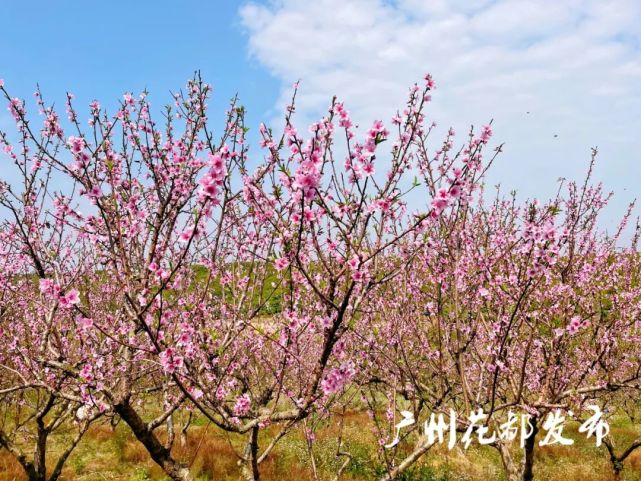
(512, 468)
(39, 472)
(32, 473)
(617, 468)
(528, 455)
(19, 456)
(249, 463)
(617, 461)
(419, 451)
(159, 453)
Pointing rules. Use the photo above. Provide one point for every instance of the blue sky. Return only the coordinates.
(557, 77)
(102, 49)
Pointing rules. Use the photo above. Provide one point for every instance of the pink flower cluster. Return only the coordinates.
(53, 290)
(214, 178)
(188, 234)
(85, 323)
(71, 298)
(159, 271)
(48, 286)
(16, 108)
(51, 125)
(281, 264)
(344, 120)
(576, 323)
(76, 144)
(486, 134)
(361, 162)
(337, 378)
(308, 176)
(170, 360)
(243, 403)
(359, 272)
(440, 202)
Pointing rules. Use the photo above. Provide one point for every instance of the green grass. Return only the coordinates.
(108, 453)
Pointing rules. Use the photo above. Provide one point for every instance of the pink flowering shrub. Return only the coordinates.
(511, 308)
(148, 263)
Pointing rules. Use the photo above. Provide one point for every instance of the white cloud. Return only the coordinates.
(575, 65)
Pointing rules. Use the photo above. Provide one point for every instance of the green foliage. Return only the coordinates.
(141, 474)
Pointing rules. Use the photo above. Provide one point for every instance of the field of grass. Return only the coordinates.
(112, 453)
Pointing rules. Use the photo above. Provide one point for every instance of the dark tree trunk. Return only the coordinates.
(528, 455)
(32, 474)
(617, 468)
(617, 461)
(249, 468)
(159, 453)
(39, 472)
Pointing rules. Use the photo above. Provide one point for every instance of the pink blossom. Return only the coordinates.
(70, 299)
(185, 235)
(429, 82)
(85, 323)
(575, 325)
(337, 378)
(196, 393)
(384, 204)
(281, 263)
(307, 180)
(221, 392)
(86, 373)
(486, 133)
(216, 162)
(162, 274)
(95, 192)
(242, 405)
(46, 285)
(359, 276)
(76, 144)
(170, 361)
(439, 203)
(211, 183)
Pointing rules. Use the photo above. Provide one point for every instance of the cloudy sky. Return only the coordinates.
(557, 77)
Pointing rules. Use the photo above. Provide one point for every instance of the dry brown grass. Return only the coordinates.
(100, 432)
(10, 470)
(134, 453)
(633, 462)
(556, 451)
(114, 454)
(208, 455)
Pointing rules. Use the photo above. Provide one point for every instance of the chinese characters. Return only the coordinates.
(437, 429)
